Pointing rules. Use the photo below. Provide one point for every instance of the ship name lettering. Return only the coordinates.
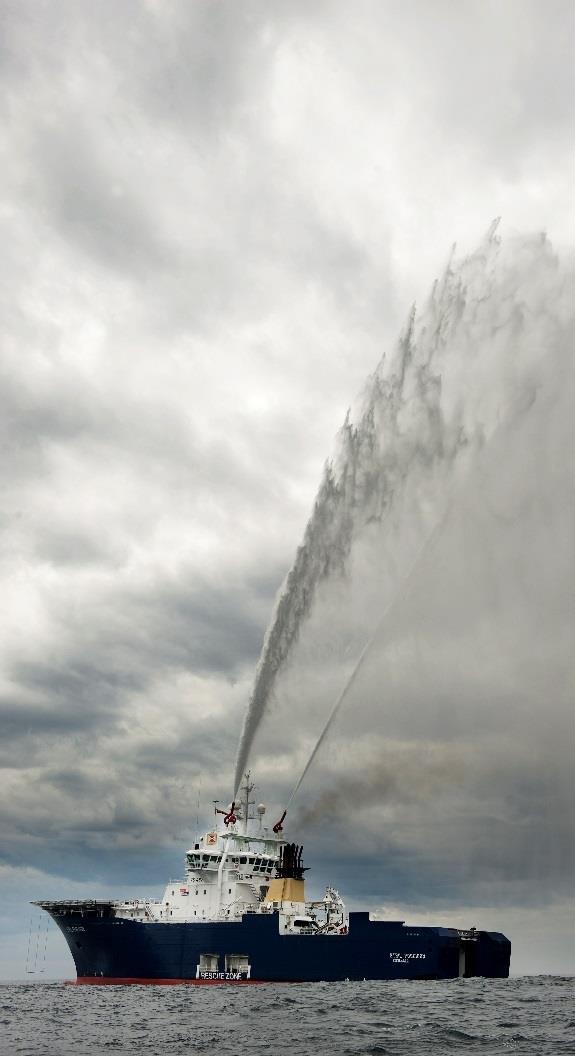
(402, 958)
(220, 975)
(75, 928)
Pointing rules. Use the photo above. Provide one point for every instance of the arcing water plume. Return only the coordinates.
(323, 552)
(355, 490)
(477, 391)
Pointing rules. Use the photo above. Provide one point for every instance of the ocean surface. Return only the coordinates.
(534, 1015)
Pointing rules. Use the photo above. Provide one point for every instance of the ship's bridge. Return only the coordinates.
(239, 857)
(243, 849)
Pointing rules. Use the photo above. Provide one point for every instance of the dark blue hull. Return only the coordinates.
(106, 948)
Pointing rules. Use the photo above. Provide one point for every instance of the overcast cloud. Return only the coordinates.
(215, 217)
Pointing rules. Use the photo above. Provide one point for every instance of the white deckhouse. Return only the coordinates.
(234, 869)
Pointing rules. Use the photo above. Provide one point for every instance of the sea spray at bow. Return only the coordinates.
(473, 410)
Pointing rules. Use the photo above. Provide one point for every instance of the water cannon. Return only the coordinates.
(278, 827)
(230, 817)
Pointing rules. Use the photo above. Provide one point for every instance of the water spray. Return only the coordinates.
(422, 552)
(490, 353)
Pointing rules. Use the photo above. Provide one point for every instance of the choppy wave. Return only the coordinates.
(531, 1015)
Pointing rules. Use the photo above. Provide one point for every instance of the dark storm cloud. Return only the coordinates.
(216, 629)
(189, 624)
(112, 789)
(127, 643)
(22, 719)
(71, 681)
(115, 827)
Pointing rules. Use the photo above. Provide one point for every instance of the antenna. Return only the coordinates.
(198, 807)
(247, 802)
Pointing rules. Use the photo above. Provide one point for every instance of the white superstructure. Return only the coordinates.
(229, 872)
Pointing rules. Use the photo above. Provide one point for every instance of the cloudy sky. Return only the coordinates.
(216, 215)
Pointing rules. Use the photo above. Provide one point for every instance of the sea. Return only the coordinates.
(533, 1014)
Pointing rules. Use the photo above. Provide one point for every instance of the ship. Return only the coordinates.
(240, 915)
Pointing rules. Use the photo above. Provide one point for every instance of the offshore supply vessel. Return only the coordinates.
(240, 915)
